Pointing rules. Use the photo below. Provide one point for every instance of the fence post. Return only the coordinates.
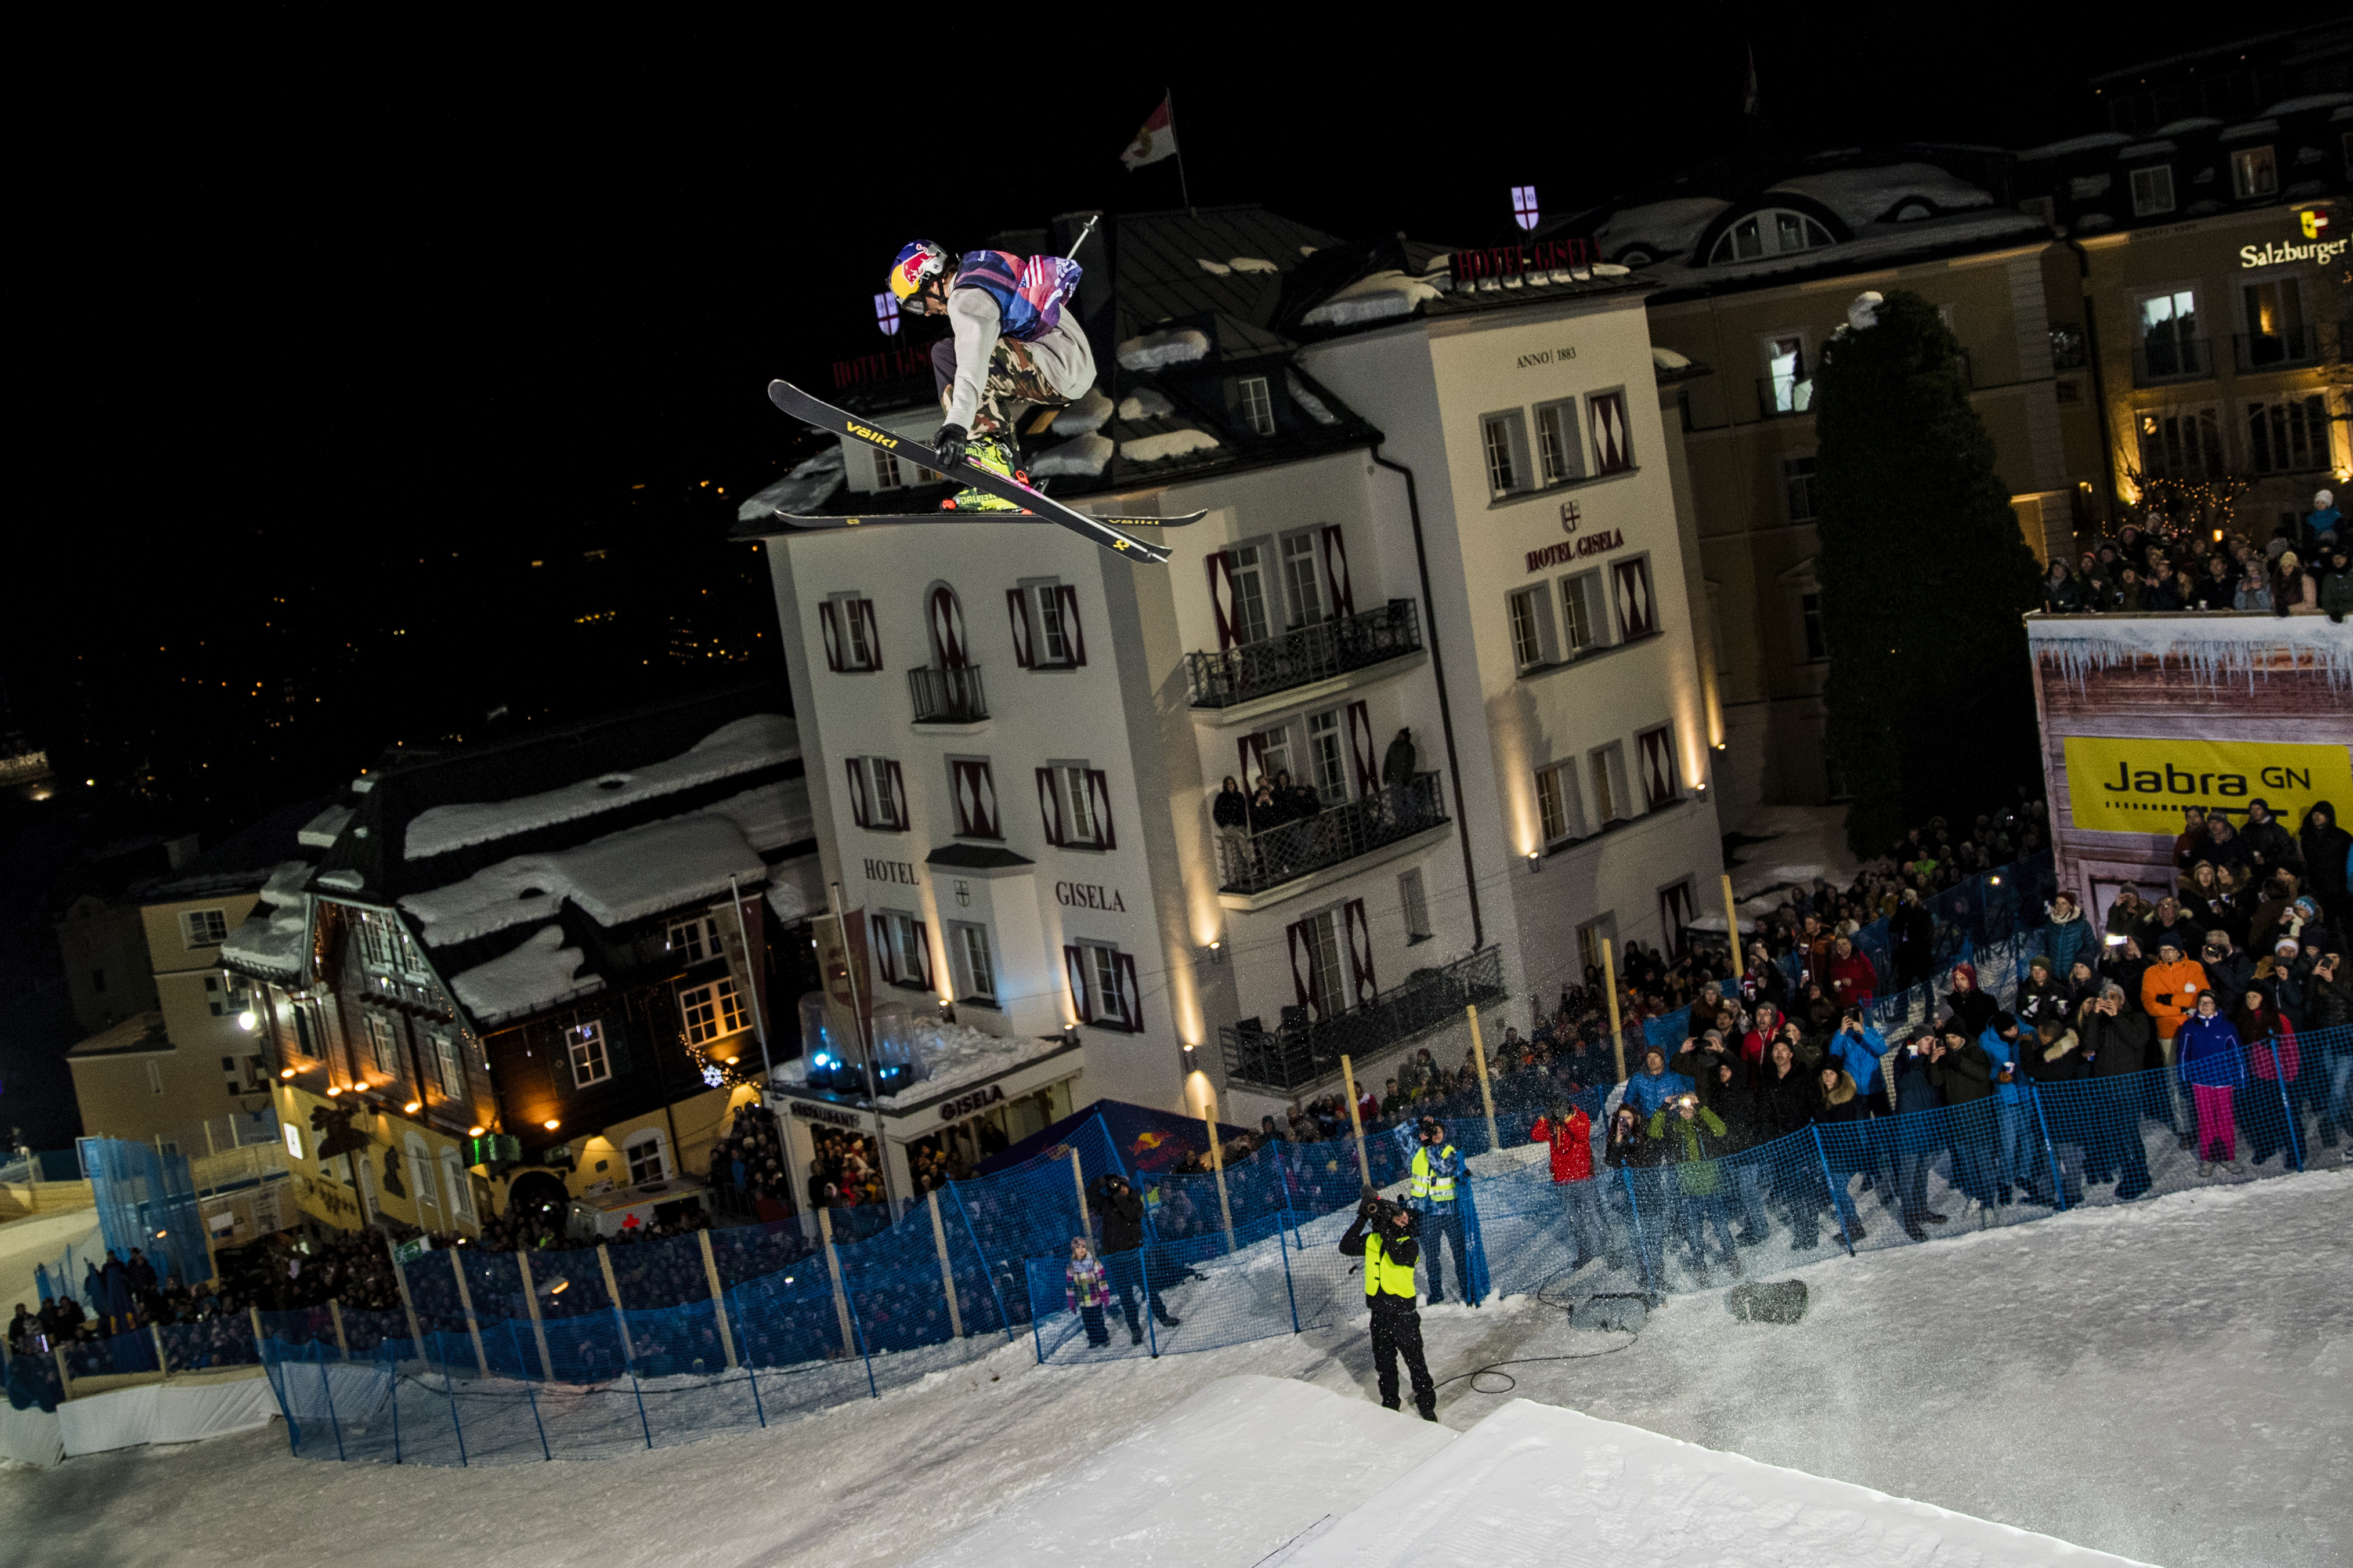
(473, 1325)
(1732, 929)
(333, 1420)
(254, 1315)
(408, 1305)
(947, 1274)
(530, 1306)
(1217, 1165)
(1837, 1190)
(1356, 1122)
(2287, 1108)
(392, 1374)
(833, 1269)
(751, 1376)
(450, 1388)
(163, 1362)
(1282, 1249)
(1609, 990)
(620, 1319)
(1642, 1253)
(718, 1299)
(1004, 1319)
(1079, 1181)
(343, 1343)
(532, 1395)
(638, 1389)
(2050, 1151)
(1486, 1089)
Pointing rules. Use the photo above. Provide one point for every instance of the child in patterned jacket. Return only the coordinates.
(1088, 1291)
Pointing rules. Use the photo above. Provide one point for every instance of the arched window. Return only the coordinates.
(1777, 231)
(945, 615)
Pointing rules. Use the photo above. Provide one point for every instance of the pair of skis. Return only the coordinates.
(1035, 505)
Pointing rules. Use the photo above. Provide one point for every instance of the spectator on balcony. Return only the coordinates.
(2335, 584)
(1230, 814)
(1396, 763)
(2167, 918)
(2218, 590)
(2322, 523)
(2061, 592)
(2125, 911)
(2041, 996)
(2228, 965)
(2254, 590)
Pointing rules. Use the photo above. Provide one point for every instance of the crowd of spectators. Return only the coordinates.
(2156, 564)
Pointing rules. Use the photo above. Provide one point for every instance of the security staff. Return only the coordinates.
(1388, 1252)
(1438, 1173)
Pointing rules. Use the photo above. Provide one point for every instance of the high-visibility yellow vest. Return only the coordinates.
(1426, 1189)
(1382, 1274)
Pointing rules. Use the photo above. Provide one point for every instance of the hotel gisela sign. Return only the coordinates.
(2130, 785)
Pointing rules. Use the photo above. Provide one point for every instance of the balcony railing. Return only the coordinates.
(1311, 652)
(1780, 396)
(1303, 1051)
(947, 696)
(1289, 850)
(2156, 360)
(2278, 351)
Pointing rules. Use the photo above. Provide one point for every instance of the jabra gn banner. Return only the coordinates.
(2119, 785)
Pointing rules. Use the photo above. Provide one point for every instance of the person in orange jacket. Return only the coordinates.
(1569, 1133)
(2169, 991)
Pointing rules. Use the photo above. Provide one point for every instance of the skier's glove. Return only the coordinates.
(949, 443)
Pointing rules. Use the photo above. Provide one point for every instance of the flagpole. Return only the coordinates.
(1183, 188)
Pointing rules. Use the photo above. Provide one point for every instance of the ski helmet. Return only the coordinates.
(919, 262)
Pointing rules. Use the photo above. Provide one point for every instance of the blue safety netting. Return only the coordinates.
(147, 1200)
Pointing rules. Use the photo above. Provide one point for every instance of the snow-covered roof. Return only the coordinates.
(1151, 350)
(757, 742)
(1308, 401)
(1178, 443)
(270, 942)
(1086, 454)
(1088, 413)
(2070, 145)
(1668, 359)
(957, 1055)
(321, 830)
(620, 877)
(1371, 298)
(800, 493)
(1862, 196)
(1666, 229)
(2217, 650)
(1146, 403)
(1883, 243)
(2311, 101)
(796, 889)
(539, 973)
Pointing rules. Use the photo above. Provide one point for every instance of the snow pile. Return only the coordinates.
(2215, 648)
(1531, 1477)
(537, 975)
(1664, 230)
(2073, 144)
(1371, 298)
(271, 939)
(320, 832)
(1230, 1475)
(345, 881)
(799, 494)
(1088, 413)
(757, 742)
(1668, 359)
(1250, 264)
(1146, 403)
(796, 889)
(1166, 445)
(1215, 269)
(1313, 405)
(1086, 455)
(952, 1055)
(615, 880)
(772, 815)
(1861, 196)
(1179, 345)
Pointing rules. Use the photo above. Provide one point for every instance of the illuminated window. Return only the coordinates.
(585, 1044)
(2171, 342)
(383, 1046)
(1255, 404)
(452, 1065)
(711, 1010)
(203, 928)
(2254, 172)
(1775, 232)
(691, 942)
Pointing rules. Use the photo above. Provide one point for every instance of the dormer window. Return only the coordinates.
(1778, 231)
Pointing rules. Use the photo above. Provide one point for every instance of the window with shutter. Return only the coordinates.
(1017, 611)
(1360, 747)
(1661, 785)
(1637, 612)
(1131, 995)
(946, 617)
(1675, 915)
(1362, 986)
(1099, 807)
(852, 643)
(878, 933)
(975, 794)
(896, 798)
(828, 621)
(1611, 452)
(1336, 573)
(1050, 804)
(1302, 963)
(1066, 643)
(1221, 567)
(1074, 965)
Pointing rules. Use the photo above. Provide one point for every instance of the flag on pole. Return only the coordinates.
(1155, 141)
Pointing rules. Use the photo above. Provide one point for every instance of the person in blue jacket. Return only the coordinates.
(2004, 1044)
(1858, 1048)
(2070, 936)
(1652, 1088)
(2207, 1053)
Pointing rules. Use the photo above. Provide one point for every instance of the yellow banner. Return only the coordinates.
(2144, 785)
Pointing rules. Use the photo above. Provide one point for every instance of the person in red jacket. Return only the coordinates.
(1569, 1133)
(1853, 981)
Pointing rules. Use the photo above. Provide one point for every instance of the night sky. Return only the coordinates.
(345, 348)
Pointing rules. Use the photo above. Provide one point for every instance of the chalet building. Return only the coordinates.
(1445, 588)
(2185, 334)
(535, 971)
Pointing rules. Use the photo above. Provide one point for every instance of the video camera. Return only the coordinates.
(1379, 1209)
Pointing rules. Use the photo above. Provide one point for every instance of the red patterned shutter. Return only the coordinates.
(947, 629)
(1302, 961)
(1099, 806)
(1067, 598)
(879, 944)
(1336, 573)
(984, 794)
(1360, 950)
(1360, 746)
(1050, 806)
(1017, 606)
(1658, 769)
(1131, 995)
(1075, 962)
(922, 953)
(861, 811)
(1253, 754)
(1221, 596)
(1609, 447)
(831, 627)
(896, 788)
(865, 608)
(1637, 615)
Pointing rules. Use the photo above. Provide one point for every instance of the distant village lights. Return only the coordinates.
(1523, 206)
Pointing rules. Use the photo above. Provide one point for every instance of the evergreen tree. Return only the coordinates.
(1924, 576)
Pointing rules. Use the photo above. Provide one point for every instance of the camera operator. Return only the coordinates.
(1386, 1236)
(1438, 1177)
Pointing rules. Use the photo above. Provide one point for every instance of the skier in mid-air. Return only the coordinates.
(1009, 343)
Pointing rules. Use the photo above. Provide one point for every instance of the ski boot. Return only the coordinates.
(986, 452)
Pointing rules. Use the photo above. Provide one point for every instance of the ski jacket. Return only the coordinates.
(2207, 1051)
(1435, 1172)
(1693, 1145)
(998, 295)
(1028, 290)
(1571, 1142)
(2169, 993)
(1084, 1285)
(1648, 1091)
(1860, 1056)
(2071, 939)
(2118, 1045)
(1854, 980)
(2008, 1054)
(1388, 1259)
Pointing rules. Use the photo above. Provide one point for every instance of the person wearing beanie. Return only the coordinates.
(2211, 1064)
(1971, 1006)
(2324, 522)
(1386, 1236)
(2042, 996)
(1085, 1290)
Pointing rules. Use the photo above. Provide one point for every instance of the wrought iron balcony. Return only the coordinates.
(1296, 657)
(1304, 1051)
(2156, 360)
(1292, 849)
(2278, 351)
(948, 696)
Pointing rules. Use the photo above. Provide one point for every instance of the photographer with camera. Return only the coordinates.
(1387, 1236)
(1435, 1194)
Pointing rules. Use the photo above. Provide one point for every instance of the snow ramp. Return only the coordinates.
(1535, 1484)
